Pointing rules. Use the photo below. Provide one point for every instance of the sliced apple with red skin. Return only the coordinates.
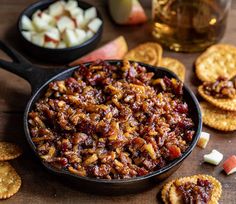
(115, 49)
(52, 35)
(127, 12)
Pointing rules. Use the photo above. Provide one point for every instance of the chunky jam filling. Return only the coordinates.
(111, 121)
(196, 193)
(221, 88)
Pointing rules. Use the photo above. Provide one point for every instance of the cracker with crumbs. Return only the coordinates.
(9, 151)
(149, 53)
(192, 185)
(217, 61)
(228, 104)
(175, 66)
(10, 181)
(217, 118)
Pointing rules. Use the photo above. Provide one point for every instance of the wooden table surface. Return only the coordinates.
(39, 186)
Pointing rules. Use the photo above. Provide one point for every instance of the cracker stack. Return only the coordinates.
(217, 61)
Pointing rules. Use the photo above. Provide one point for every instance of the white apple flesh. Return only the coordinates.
(127, 12)
(95, 24)
(65, 22)
(26, 23)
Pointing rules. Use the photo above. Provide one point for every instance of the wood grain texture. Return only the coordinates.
(39, 186)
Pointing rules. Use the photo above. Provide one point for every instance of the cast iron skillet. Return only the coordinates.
(39, 79)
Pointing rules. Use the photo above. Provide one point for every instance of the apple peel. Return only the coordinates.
(229, 165)
(115, 49)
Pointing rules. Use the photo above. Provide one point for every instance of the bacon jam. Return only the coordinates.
(111, 121)
(221, 88)
(196, 193)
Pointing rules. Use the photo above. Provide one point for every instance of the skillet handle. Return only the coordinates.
(20, 66)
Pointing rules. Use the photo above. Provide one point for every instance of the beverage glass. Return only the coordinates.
(189, 25)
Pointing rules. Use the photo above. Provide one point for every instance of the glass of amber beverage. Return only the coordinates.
(189, 25)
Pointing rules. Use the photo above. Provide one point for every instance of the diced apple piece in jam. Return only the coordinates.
(95, 24)
(26, 23)
(65, 22)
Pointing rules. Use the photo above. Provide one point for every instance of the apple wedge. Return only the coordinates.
(127, 12)
(115, 49)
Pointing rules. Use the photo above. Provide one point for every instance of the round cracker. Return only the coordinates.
(218, 60)
(9, 151)
(217, 118)
(175, 66)
(222, 103)
(165, 192)
(149, 53)
(10, 181)
(175, 197)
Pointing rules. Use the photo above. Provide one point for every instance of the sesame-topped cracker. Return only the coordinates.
(228, 104)
(217, 61)
(217, 118)
(149, 53)
(10, 181)
(9, 151)
(175, 66)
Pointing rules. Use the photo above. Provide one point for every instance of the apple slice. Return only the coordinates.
(127, 12)
(52, 35)
(38, 39)
(50, 44)
(56, 9)
(71, 5)
(61, 45)
(26, 23)
(65, 22)
(230, 165)
(27, 35)
(39, 23)
(80, 21)
(95, 24)
(115, 49)
(81, 34)
(90, 14)
(71, 38)
(76, 11)
(89, 34)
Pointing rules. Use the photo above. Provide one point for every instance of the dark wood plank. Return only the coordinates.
(39, 186)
